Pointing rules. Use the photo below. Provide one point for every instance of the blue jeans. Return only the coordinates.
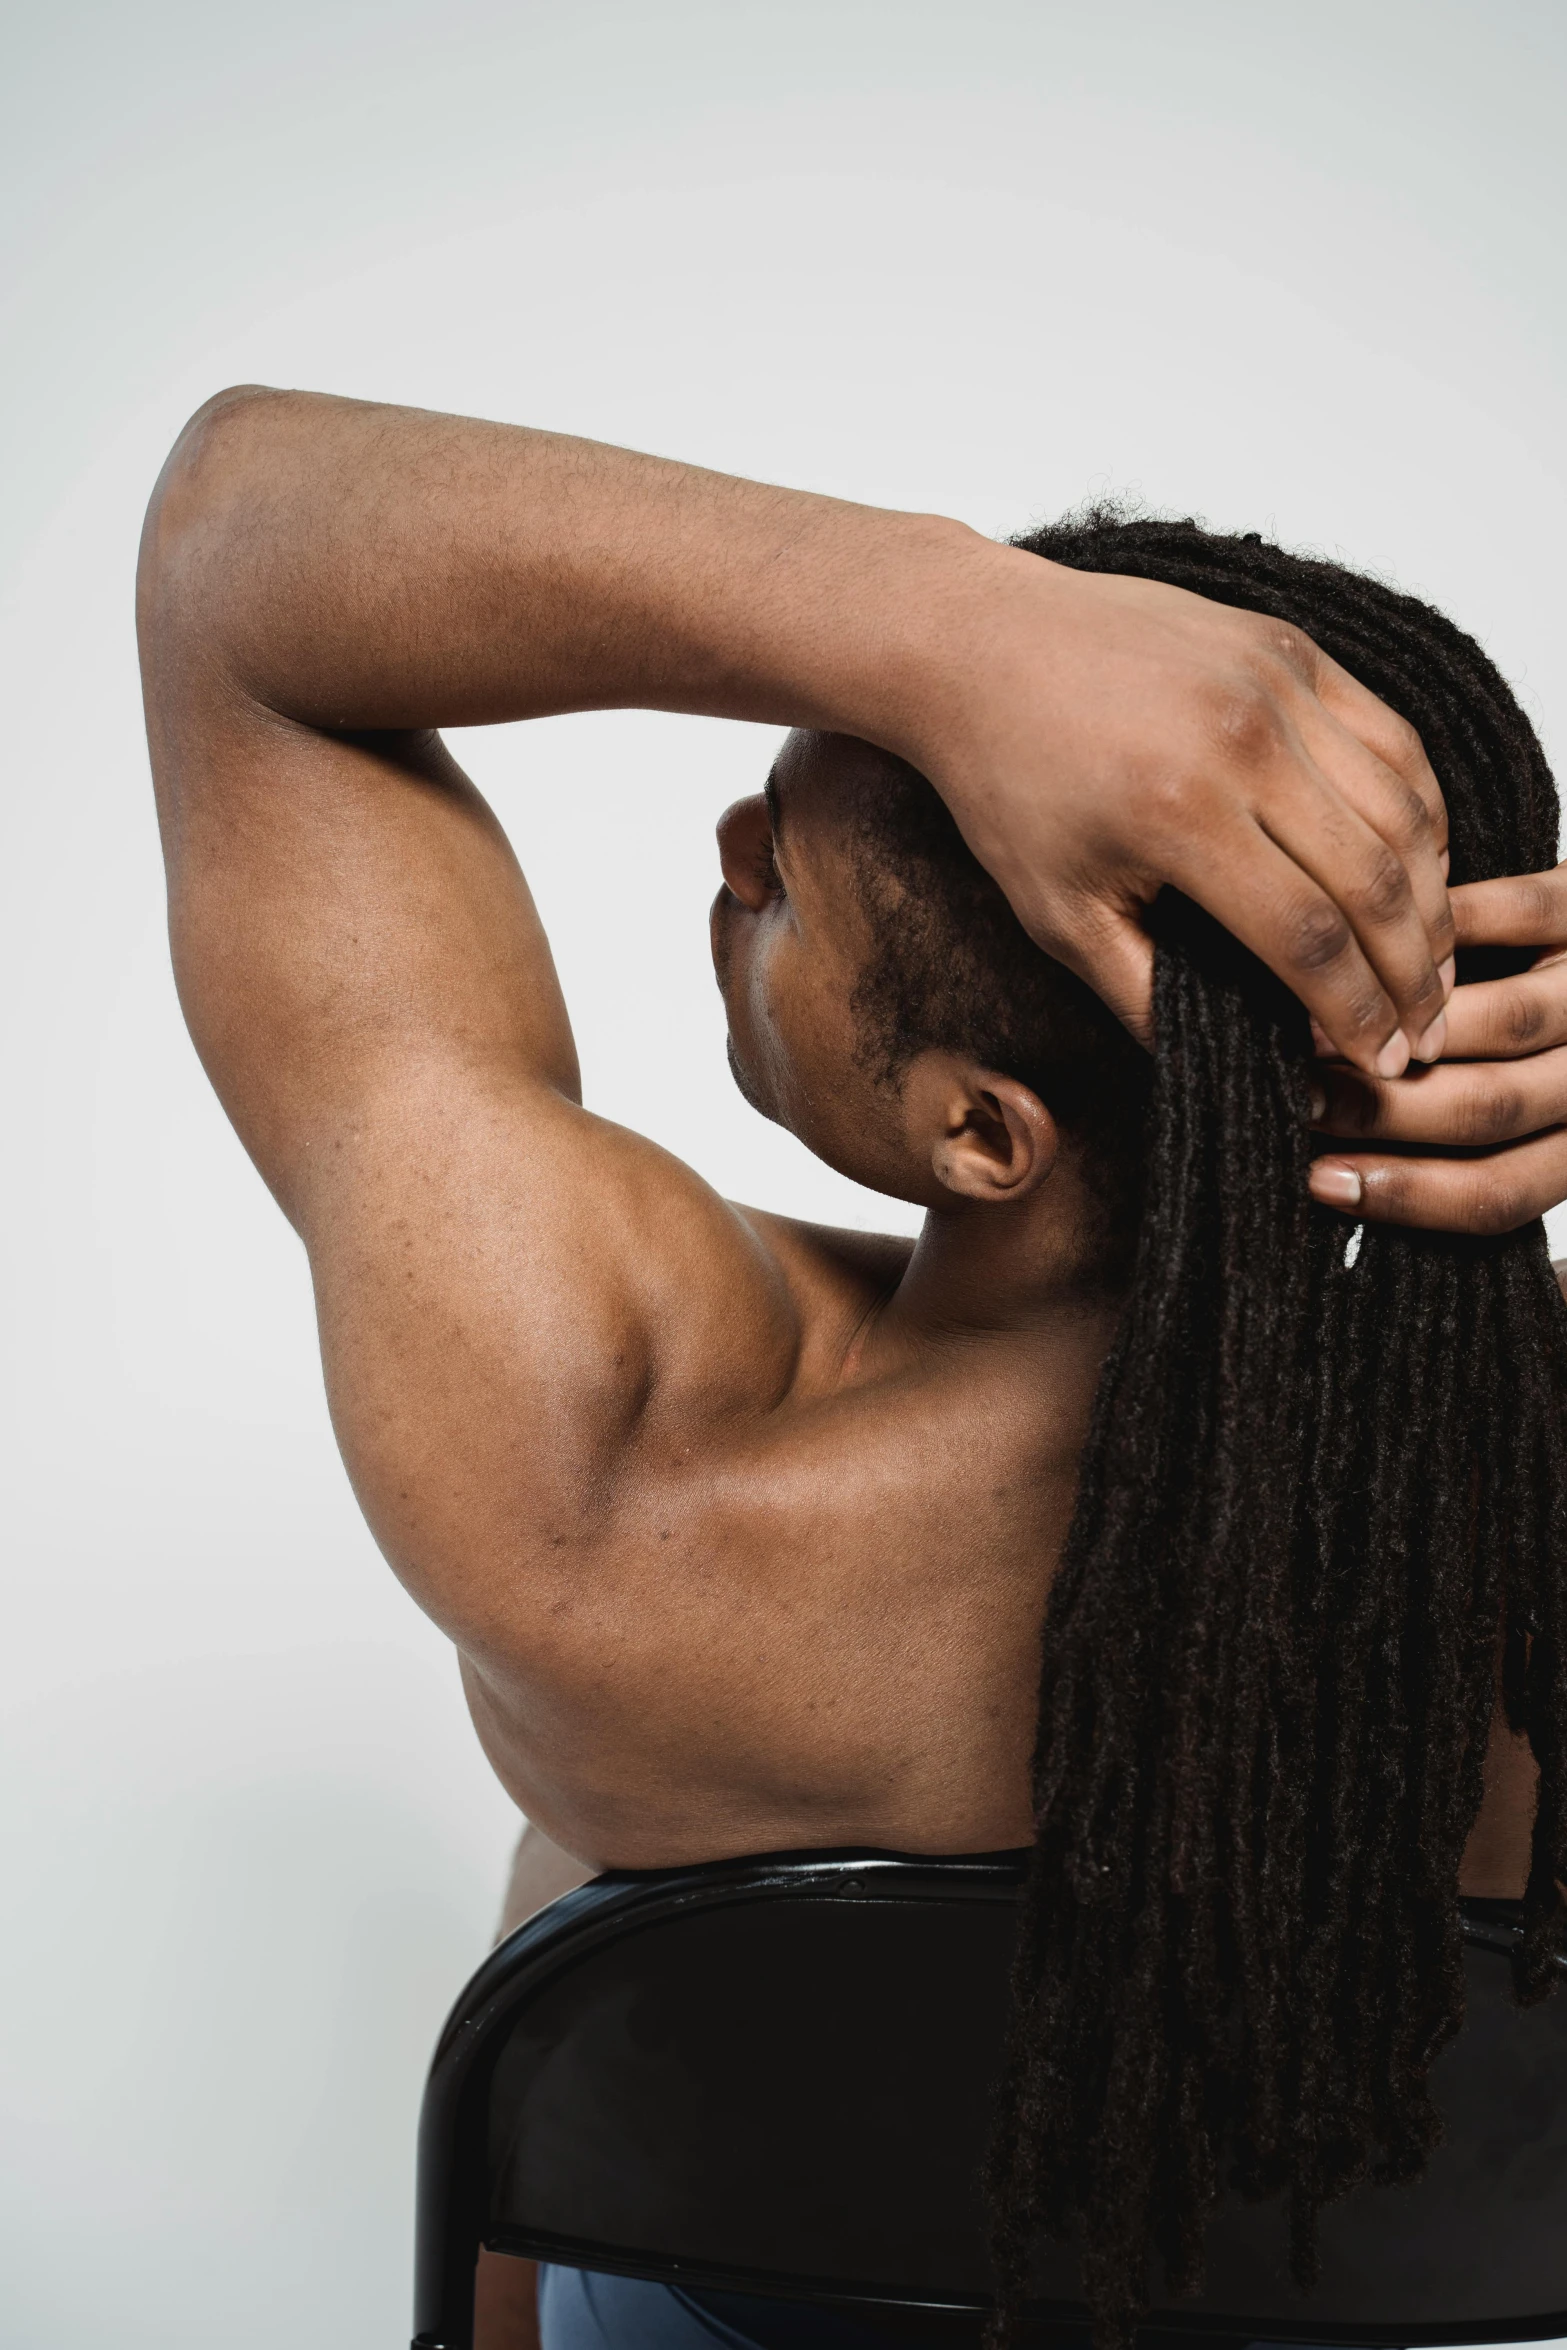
(583, 2309)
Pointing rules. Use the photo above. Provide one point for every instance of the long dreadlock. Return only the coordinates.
(1324, 1487)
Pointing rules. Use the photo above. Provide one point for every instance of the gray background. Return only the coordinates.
(1296, 269)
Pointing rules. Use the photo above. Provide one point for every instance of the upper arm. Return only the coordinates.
(339, 901)
(337, 909)
(499, 1275)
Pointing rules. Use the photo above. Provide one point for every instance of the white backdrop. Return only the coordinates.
(1296, 269)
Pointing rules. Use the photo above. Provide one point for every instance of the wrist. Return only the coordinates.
(974, 645)
(914, 680)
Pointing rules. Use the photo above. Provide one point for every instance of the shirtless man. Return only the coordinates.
(738, 1524)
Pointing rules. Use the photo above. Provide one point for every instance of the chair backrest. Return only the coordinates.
(773, 2076)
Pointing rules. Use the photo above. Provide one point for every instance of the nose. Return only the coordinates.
(745, 851)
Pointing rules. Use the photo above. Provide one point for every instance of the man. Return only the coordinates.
(738, 1524)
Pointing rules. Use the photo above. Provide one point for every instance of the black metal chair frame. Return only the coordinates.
(453, 2209)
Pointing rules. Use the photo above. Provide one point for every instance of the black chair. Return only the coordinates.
(771, 2077)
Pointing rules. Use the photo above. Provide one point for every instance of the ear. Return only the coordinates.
(987, 1137)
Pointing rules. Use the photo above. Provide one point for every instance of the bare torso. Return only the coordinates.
(738, 1548)
(869, 1550)
(897, 1528)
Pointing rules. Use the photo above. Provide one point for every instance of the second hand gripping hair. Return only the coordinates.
(1324, 1491)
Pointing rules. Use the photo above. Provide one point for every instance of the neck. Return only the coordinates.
(1027, 1270)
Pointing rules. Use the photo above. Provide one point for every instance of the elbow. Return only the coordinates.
(196, 517)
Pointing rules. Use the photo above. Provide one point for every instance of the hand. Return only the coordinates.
(1503, 1083)
(1096, 737)
(1118, 734)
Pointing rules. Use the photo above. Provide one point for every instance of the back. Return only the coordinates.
(840, 1587)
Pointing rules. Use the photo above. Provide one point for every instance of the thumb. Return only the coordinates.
(1115, 956)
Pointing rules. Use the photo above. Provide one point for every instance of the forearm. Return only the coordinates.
(358, 567)
(361, 569)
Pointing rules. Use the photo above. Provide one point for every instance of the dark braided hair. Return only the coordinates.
(1322, 1507)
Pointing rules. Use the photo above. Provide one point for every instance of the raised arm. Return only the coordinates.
(344, 567)
(513, 1293)
(322, 585)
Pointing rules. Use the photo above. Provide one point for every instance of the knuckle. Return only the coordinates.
(1172, 799)
(1244, 723)
(1491, 1111)
(1412, 822)
(1383, 894)
(1282, 642)
(1520, 1020)
(1542, 905)
(1426, 996)
(1318, 937)
(1400, 744)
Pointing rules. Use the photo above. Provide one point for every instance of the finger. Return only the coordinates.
(1396, 812)
(1388, 737)
(1518, 910)
(1494, 1194)
(1366, 878)
(1461, 1104)
(1497, 1019)
(1303, 933)
(1113, 952)
(1398, 754)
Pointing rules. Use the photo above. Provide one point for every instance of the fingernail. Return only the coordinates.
(1335, 1186)
(1447, 972)
(1430, 1046)
(1316, 1103)
(1393, 1059)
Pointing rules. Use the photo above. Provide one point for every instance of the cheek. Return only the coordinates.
(791, 1041)
(723, 937)
(767, 1000)
(791, 1050)
(801, 1038)
(745, 954)
(740, 951)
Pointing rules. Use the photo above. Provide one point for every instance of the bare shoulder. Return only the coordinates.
(493, 1257)
(528, 1313)
(834, 1274)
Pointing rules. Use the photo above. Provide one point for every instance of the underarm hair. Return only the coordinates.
(1323, 1482)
